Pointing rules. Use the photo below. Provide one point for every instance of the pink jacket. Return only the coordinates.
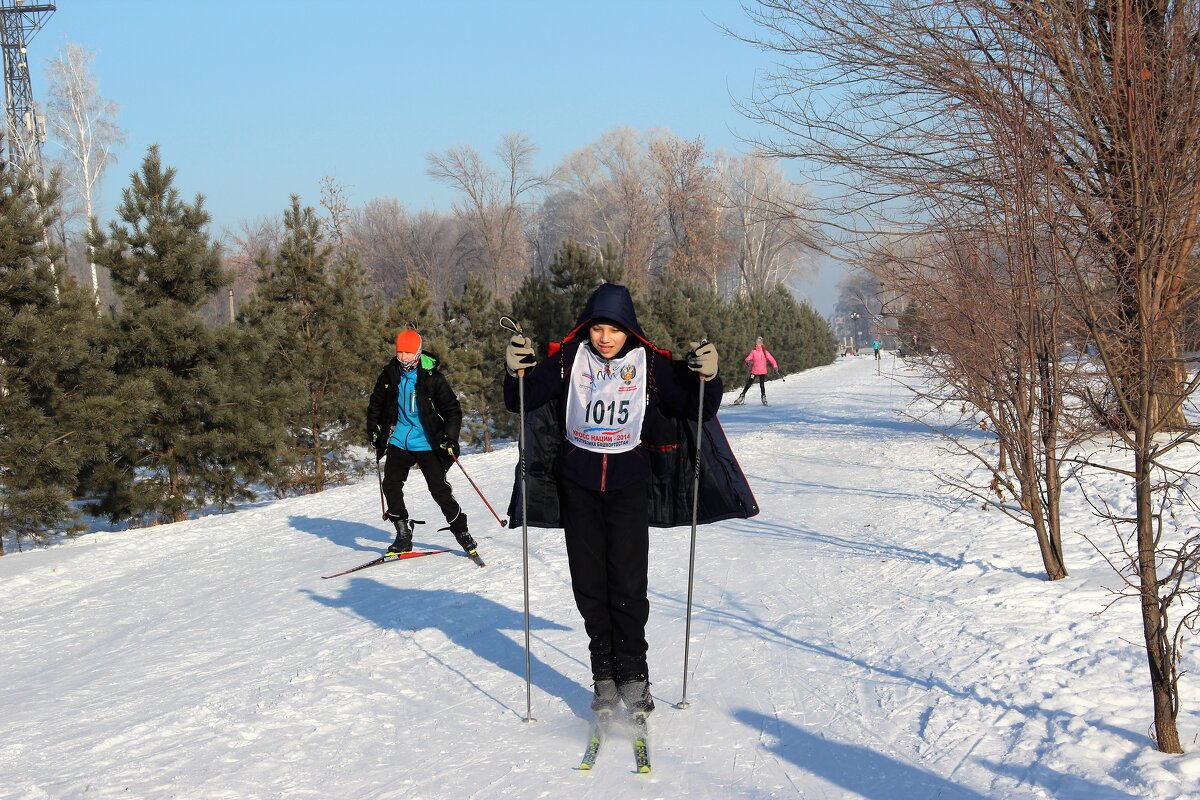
(758, 359)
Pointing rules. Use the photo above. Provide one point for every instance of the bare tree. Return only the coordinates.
(254, 242)
(765, 219)
(494, 203)
(688, 191)
(613, 180)
(901, 103)
(337, 211)
(84, 125)
(398, 247)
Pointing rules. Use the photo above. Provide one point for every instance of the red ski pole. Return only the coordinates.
(503, 524)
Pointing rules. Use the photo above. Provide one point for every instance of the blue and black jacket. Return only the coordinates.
(437, 407)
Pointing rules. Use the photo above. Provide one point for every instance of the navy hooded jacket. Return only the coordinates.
(673, 401)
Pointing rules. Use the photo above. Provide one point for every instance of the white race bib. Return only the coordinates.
(606, 401)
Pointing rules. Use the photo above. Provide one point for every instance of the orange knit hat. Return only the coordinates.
(408, 342)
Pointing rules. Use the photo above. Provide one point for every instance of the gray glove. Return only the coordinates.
(519, 354)
(702, 358)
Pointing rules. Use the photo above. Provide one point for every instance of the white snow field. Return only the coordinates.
(868, 635)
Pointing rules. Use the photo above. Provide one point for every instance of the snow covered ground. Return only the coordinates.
(868, 635)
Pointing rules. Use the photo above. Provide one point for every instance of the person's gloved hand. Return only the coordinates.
(519, 354)
(378, 443)
(702, 358)
(449, 447)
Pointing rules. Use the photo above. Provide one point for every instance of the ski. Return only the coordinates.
(385, 559)
(595, 739)
(641, 743)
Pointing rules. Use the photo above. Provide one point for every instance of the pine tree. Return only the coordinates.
(796, 335)
(547, 306)
(678, 313)
(54, 412)
(414, 309)
(168, 365)
(472, 364)
(311, 309)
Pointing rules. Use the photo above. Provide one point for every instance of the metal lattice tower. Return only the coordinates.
(19, 21)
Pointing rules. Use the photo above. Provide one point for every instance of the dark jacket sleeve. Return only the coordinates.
(679, 390)
(448, 407)
(542, 383)
(376, 418)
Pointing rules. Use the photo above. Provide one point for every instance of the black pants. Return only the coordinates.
(608, 546)
(395, 472)
(762, 385)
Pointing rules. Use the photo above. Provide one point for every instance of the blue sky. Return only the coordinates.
(254, 100)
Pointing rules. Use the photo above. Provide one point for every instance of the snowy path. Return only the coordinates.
(866, 636)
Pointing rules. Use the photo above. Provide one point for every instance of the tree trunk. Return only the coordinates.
(1159, 650)
(175, 482)
(318, 460)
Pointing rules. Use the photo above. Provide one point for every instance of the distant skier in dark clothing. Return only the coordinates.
(414, 418)
(610, 386)
(757, 360)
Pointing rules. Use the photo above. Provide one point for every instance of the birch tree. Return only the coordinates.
(83, 124)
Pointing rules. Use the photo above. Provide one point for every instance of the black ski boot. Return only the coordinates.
(605, 697)
(404, 534)
(467, 544)
(458, 526)
(636, 697)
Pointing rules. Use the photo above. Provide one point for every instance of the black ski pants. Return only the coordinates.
(395, 473)
(762, 385)
(608, 546)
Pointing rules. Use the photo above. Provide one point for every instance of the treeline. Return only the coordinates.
(666, 205)
(146, 413)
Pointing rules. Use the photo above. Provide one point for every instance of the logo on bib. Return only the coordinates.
(628, 373)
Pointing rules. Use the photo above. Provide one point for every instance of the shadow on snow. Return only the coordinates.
(743, 621)
(876, 776)
(349, 534)
(343, 532)
(856, 769)
(469, 621)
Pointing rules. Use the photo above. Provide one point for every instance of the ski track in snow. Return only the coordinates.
(868, 635)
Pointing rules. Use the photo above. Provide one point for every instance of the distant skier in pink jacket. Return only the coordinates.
(758, 359)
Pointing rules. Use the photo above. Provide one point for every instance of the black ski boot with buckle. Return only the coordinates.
(404, 534)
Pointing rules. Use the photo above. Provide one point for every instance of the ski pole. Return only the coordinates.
(515, 327)
(382, 504)
(687, 636)
(477, 491)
